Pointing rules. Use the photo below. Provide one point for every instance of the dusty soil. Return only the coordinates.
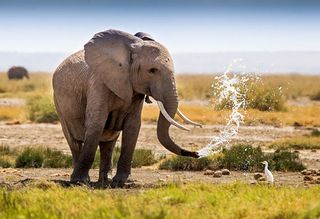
(140, 177)
(12, 102)
(50, 135)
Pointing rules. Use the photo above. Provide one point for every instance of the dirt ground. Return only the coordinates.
(140, 177)
(50, 135)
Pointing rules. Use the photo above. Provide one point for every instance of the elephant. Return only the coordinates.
(99, 92)
(17, 72)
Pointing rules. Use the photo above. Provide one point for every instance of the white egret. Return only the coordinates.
(267, 172)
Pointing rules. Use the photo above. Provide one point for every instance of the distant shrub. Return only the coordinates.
(42, 109)
(177, 163)
(242, 157)
(315, 96)
(30, 158)
(28, 87)
(285, 161)
(265, 99)
(246, 157)
(143, 157)
(258, 97)
(315, 133)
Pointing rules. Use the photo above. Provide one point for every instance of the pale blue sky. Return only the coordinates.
(183, 26)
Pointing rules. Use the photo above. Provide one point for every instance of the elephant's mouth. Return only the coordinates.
(148, 92)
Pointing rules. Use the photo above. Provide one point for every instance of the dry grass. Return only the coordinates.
(303, 115)
(38, 84)
(190, 87)
(12, 113)
(297, 143)
(293, 86)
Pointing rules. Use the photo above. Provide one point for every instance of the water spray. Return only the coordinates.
(229, 87)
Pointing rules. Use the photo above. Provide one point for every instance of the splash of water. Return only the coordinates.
(229, 87)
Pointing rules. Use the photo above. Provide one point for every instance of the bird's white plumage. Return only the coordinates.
(267, 172)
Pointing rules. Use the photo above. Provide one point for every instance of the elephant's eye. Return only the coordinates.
(153, 70)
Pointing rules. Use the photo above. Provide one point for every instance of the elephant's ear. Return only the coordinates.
(109, 55)
(144, 36)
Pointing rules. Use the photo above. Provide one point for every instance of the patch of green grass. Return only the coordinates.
(238, 157)
(172, 201)
(56, 159)
(298, 143)
(141, 157)
(36, 157)
(178, 163)
(41, 109)
(30, 158)
(248, 158)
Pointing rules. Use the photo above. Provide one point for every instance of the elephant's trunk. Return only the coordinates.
(170, 101)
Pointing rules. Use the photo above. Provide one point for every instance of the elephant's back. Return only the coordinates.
(72, 74)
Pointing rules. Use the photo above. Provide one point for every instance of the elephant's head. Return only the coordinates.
(127, 64)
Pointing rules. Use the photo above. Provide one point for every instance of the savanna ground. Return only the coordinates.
(286, 119)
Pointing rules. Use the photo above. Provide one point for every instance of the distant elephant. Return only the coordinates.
(17, 72)
(99, 92)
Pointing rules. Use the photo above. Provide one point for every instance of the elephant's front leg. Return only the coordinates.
(106, 149)
(129, 139)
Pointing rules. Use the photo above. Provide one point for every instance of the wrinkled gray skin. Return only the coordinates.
(17, 73)
(99, 92)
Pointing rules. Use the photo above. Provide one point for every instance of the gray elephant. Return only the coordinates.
(17, 72)
(99, 92)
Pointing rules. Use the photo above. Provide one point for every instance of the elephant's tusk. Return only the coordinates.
(187, 120)
(167, 116)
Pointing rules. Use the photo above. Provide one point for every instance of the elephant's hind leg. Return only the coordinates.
(75, 145)
(106, 149)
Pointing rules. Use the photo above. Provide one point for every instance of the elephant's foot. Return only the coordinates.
(78, 177)
(119, 180)
(104, 180)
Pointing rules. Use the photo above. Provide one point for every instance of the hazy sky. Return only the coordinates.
(183, 26)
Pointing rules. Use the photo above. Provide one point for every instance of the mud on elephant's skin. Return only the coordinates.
(17, 72)
(99, 92)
